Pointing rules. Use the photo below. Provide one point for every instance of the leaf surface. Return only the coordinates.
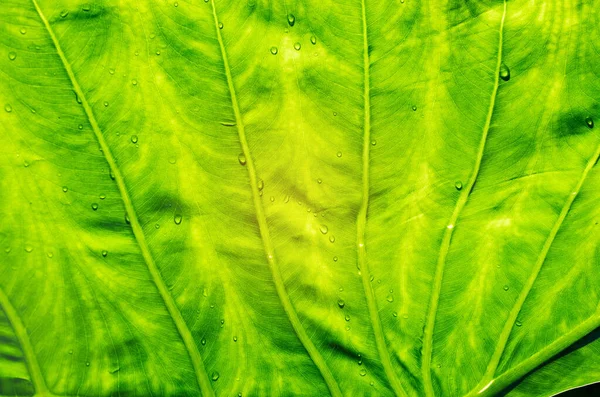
(298, 198)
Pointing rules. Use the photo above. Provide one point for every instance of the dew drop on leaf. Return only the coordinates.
(235, 338)
(291, 19)
(23, 31)
(95, 206)
(319, 181)
(64, 13)
(339, 154)
(274, 50)
(105, 104)
(220, 25)
(390, 298)
(177, 219)
(86, 7)
(518, 323)
(80, 126)
(458, 185)
(65, 189)
(261, 184)
(104, 253)
(7, 108)
(203, 341)
(341, 303)
(215, 376)
(313, 39)
(87, 364)
(127, 220)
(332, 238)
(504, 72)
(414, 108)
(505, 288)
(363, 372)
(324, 229)
(134, 82)
(335, 258)
(373, 142)
(590, 122)
(28, 248)
(242, 159)
(297, 46)
(347, 317)
(12, 55)
(134, 139)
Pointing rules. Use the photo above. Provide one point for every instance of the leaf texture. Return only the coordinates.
(299, 197)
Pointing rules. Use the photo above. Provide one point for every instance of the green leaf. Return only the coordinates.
(303, 197)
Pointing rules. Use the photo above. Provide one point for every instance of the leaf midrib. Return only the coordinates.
(264, 228)
(180, 324)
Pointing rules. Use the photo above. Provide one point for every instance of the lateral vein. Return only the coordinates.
(264, 228)
(37, 379)
(516, 309)
(361, 221)
(182, 328)
(448, 232)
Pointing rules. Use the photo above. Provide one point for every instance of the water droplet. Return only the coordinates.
(313, 39)
(87, 364)
(203, 341)
(215, 376)
(86, 7)
(80, 126)
(332, 239)
(65, 189)
(506, 287)
(157, 226)
(405, 316)
(458, 185)
(335, 258)
(414, 108)
(341, 303)
(176, 4)
(50, 254)
(242, 159)
(134, 82)
(319, 181)
(94, 206)
(297, 46)
(71, 351)
(347, 328)
(235, 338)
(12, 55)
(102, 197)
(590, 122)
(111, 71)
(395, 314)
(339, 154)
(261, 184)
(363, 372)
(518, 323)
(23, 31)
(104, 253)
(64, 13)
(105, 104)
(291, 19)
(7, 250)
(272, 199)
(127, 220)
(347, 318)
(25, 163)
(220, 25)
(373, 142)
(504, 72)
(390, 298)
(157, 52)
(222, 322)
(450, 226)
(28, 248)
(8, 108)
(177, 218)
(274, 50)
(324, 229)
(134, 139)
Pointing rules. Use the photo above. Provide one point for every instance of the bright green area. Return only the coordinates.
(299, 197)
